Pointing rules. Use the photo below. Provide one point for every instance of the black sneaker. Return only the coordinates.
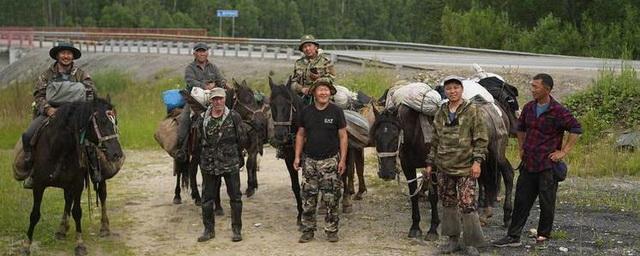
(306, 237)
(507, 241)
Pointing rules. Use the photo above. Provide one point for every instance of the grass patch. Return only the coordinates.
(17, 203)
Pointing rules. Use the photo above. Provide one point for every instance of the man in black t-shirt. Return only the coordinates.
(322, 137)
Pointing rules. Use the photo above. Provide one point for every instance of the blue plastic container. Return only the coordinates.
(172, 99)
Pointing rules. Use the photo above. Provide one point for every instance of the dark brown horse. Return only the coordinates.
(60, 160)
(285, 105)
(397, 134)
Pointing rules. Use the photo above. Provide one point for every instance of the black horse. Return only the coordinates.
(285, 105)
(397, 133)
(254, 115)
(60, 160)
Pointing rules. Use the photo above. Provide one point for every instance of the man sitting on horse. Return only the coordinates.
(313, 65)
(63, 70)
(200, 73)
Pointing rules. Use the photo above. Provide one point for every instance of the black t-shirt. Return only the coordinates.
(321, 127)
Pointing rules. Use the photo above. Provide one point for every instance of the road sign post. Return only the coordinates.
(233, 14)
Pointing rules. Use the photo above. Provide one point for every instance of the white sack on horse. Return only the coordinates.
(343, 97)
(418, 96)
(201, 95)
(357, 129)
(167, 133)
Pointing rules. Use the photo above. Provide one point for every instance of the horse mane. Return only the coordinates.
(75, 116)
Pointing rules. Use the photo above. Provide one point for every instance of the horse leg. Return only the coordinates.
(176, 198)
(359, 162)
(38, 191)
(104, 220)
(193, 182)
(432, 234)
(64, 223)
(347, 180)
(76, 212)
(507, 175)
(414, 231)
(252, 179)
(295, 183)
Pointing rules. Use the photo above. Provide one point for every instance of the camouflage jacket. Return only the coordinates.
(221, 151)
(195, 76)
(456, 145)
(303, 67)
(52, 75)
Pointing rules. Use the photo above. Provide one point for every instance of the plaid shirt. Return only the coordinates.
(544, 134)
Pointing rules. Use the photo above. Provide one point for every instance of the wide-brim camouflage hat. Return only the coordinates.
(307, 39)
(326, 82)
(53, 53)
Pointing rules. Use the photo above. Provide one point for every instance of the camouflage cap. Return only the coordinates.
(453, 78)
(307, 39)
(200, 46)
(326, 81)
(53, 53)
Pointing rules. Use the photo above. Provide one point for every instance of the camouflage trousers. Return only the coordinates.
(457, 191)
(321, 176)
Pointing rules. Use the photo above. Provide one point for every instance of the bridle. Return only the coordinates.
(397, 150)
(96, 129)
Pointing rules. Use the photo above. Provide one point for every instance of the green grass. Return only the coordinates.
(16, 208)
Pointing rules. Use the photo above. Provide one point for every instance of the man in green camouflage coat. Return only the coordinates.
(458, 148)
(322, 136)
(221, 157)
(313, 65)
(62, 70)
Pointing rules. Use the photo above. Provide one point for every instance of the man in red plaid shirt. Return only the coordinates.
(541, 129)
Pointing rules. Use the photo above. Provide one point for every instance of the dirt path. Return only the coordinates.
(152, 225)
(378, 225)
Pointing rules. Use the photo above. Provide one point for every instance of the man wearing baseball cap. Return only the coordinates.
(200, 73)
(321, 151)
(63, 69)
(221, 157)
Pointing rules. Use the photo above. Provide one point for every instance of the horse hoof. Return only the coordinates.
(250, 192)
(25, 251)
(81, 250)
(219, 212)
(431, 236)
(60, 236)
(198, 202)
(415, 233)
(104, 233)
(177, 201)
(347, 209)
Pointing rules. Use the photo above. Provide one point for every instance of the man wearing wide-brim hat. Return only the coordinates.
(313, 65)
(64, 69)
(321, 151)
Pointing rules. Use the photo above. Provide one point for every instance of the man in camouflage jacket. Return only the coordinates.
(62, 70)
(313, 65)
(221, 157)
(458, 148)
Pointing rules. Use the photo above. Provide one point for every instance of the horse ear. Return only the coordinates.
(375, 110)
(271, 83)
(244, 83)
(235, 83)
(109, 98)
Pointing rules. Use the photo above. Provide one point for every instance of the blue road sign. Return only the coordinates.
(227, 13)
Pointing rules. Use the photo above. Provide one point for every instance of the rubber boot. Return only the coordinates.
(237, 236)
(236, 220)
(453, 245)
(472, 235)
(208, 221)
(451, 228)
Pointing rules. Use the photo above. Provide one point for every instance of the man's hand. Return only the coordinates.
(209, 85)
(426, 173)
(475, 170)
(51, 111)
(305, 90)
(342, 166)
(557, 155)
(296, 164)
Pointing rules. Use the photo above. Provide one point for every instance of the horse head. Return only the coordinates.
(103, 132)
(249, 109)
(386, 133)
(284, 105)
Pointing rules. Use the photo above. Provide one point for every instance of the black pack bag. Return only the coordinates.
(559, 171)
